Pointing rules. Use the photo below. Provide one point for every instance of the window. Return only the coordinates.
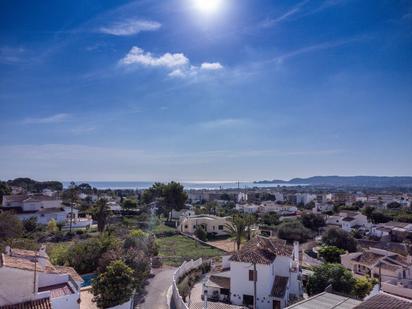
(220, 227)
(251, 277)
(186, 226)
(213, 227)
(248, 300)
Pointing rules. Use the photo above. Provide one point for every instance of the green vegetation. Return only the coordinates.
(237, 229)
(175, 250)
(31, 185)
(169, 196)
(10, 226)
(312, 221)
(114, 286)
(294, 231)
(339, 238)
(341, 280)
(331, 254)
(101, 213)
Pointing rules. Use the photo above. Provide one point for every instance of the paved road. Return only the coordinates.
(157, 290)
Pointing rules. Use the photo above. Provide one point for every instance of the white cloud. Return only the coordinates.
(57, 118)
(130, 27)
(211, 66)
(178, 64)
(138, 56)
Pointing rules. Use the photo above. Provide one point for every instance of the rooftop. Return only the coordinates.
(326, 300)
(43, 303)
(385, 301)
(262, 250)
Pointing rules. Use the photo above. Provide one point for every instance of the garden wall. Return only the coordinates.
(180, 272)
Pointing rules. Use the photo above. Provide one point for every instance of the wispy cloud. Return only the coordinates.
(11, 55)
(293, 11)
(81, 130)
(301, 9)
(224, 123)
(315, 47)
(57, 118)
(178, 63)
(130, 27)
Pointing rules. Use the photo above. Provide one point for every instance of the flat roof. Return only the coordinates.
(326, 300)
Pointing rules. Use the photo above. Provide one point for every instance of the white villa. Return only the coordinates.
(44, 208)
(211, 224)
(349, 220)
(29, 280)
(270, 262)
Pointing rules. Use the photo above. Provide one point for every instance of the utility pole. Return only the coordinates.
(380, 277)
(254, 285)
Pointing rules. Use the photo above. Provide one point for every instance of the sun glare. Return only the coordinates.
(208, 6)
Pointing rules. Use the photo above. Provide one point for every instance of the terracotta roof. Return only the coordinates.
(262, 250)
(400, 248)
(43, 303)
(388, 266)
(26, 260)
(385, 301)
(57, 290)
(279, 286)
(368, 258)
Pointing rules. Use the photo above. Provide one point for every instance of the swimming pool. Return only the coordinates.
(88, 279)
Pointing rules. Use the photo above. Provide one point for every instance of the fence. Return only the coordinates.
(180, 272)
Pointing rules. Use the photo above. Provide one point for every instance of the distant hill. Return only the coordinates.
(348, 181)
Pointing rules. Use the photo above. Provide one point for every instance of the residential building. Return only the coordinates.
(379, 263)
(305, 198)
(43, 207)
(269, 263)
(241, 197)
(397, 231)
(322, 208)
(354, 221)
(211, 224)
(28, 277)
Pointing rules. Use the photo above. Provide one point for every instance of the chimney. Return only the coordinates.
(296, 251)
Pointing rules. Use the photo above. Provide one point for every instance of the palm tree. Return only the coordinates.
(237, 229)
(73, 199)
(250, 220)
(101, 212)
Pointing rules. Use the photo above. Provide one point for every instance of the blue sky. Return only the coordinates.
(160, 90)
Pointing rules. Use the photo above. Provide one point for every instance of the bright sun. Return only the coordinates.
(208, 6)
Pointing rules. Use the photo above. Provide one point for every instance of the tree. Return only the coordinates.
(270, 219)
(335, 275)
(174, 196)
(4, 189)
(250, 220)
(368, 211)
(312, 221)
(114, 286)
(379, 217)
(237, 229)
(129, 204)
(393, 205)
(331, 254)
(30, 224)
(52, 226)
(73, 197)
(201, 233)
(293, 231)
(101, 213)
(339, 238)
(362, 287)
(10, 226)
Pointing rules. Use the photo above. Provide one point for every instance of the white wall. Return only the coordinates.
(16, 286)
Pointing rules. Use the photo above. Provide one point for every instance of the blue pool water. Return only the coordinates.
(88, 279)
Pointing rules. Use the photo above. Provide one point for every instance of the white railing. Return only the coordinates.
(180, 272)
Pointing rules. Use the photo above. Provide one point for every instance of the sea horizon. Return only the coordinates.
(188, 185)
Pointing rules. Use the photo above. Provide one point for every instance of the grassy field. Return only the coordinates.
(176, 249)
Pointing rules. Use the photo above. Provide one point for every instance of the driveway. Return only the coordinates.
(157, 289)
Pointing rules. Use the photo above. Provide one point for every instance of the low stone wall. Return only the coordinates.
(180, 272)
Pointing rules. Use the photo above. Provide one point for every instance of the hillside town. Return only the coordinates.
(167, 247)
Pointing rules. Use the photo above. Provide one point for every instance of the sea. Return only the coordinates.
(189, 185)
